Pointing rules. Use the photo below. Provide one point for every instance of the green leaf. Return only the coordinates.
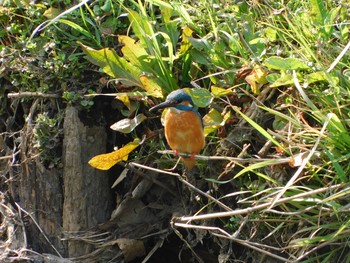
(316, 77)
(201, 97)
(271, 34)
(213, 120)
(317, 12)
(285, 79)
(285, 63)
(113, 65)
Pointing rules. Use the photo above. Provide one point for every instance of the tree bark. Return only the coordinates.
(86, 190)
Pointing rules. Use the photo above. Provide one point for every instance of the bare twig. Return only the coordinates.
(224, 234)
(42, 232)
(181, 179)
(257, 207)
(311, 153)
(26, 94)
(228, 158)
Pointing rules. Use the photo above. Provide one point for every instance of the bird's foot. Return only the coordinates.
(176, 152)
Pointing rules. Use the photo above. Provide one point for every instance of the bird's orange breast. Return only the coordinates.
(184, 132)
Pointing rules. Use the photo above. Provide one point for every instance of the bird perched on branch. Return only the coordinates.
(183, 125)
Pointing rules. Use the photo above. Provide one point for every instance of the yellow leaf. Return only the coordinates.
(256, 79)
(106, 161)
(185, 44)
(133, 51)
(125, 99)
(151, 86)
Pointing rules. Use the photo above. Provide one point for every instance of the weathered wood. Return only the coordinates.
(39, 194)
(86, 190)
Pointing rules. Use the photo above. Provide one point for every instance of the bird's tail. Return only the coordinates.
(189, 163)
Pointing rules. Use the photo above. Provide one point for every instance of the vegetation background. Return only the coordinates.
(84, 167)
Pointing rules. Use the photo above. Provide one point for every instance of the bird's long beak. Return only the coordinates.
(163, 105)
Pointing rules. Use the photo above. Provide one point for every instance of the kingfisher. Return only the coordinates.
(183, 126)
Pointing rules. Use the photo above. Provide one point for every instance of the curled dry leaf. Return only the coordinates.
(131, 248)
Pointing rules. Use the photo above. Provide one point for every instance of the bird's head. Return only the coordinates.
(178, 99)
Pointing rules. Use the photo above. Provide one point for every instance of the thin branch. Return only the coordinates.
(181, 179)
(224, 234)
(308, 157)
(227, 158)
(26, 94)
(257, 207)
(37, 225)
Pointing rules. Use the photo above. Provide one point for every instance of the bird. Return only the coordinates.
(183, 126)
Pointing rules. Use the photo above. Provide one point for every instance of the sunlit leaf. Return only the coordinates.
(125, 99)
(52, 12)
(201, 97)
(285, 63)
(213, 120)
(106, 161)
(285, 79)
(133, 51)
(128, 125)
(219, 92)
(271, 34)
(151, 86)
(317, 11)
(320, 76)
(185, 44)
(112, 64)
(256, 78)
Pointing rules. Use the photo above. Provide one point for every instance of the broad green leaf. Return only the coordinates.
(285, 63)
(52, 12)
(322, 76)
(285, 79)
(200, 44)
(112, 64)
(201, 97)
(273, 77)
(128, 125)
(200, 57)
(318, 11)
(329, 20)
(213, 118)
(106, 161)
